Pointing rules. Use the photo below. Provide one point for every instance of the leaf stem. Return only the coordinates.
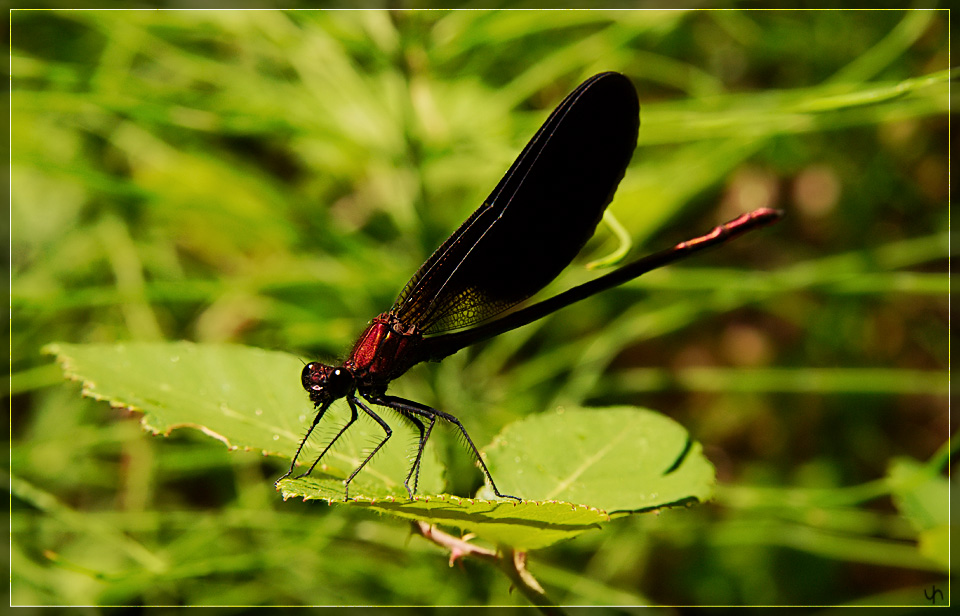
(512, 562)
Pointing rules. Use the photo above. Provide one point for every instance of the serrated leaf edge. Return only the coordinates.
(446, 498)
(88, 390)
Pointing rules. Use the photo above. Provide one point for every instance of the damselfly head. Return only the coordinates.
(325, 383)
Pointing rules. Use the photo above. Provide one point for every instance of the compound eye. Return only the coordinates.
(314, 376)
(324, 382)
(337, 379)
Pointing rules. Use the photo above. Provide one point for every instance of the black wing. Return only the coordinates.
(538, 217)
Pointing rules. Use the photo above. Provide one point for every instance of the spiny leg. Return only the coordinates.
(353, 418)
(352, 400)
(424, 435)
(401, 404)
(316, 420)
(416, 463)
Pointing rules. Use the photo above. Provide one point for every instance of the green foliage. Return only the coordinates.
(272, 179)
(617, 459)
(923, 497)
(228, 392)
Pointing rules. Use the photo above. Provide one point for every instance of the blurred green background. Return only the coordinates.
(274, 178)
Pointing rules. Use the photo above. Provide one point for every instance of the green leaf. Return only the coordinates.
(246, 397)
(523, 525)
(923, 495)
(919, 493)
(934, 543)
(617, 459)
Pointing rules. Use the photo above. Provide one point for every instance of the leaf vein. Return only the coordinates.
(565, 483)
